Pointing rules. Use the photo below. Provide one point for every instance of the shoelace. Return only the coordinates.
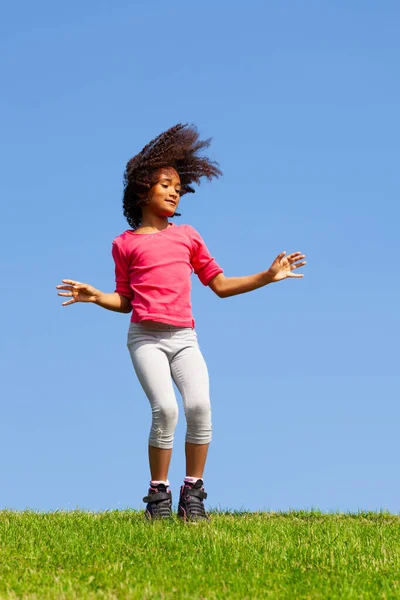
(195, 504)
(160, 502)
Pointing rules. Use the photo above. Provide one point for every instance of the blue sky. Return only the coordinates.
(301, 100)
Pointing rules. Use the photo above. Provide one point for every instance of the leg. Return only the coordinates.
(190, 374)
(152, 368)
(196, 455)
(159, 459)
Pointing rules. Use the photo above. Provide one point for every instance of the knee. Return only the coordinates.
(163, 426)
(198, 411)
(199, 426)
(166, 416)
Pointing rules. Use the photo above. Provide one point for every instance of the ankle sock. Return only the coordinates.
(155, 482)
(191, 480)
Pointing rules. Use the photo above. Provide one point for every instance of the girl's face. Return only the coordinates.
(164, 195)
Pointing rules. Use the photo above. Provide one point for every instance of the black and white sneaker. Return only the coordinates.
(191, 505)
(159, 502)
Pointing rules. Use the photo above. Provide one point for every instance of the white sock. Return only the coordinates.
(155, 482)
(191, 479)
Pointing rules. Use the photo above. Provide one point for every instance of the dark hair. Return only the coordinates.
(178, 147)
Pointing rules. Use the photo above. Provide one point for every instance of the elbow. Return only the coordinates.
(219, 287)
(222, 293)
(126, 306)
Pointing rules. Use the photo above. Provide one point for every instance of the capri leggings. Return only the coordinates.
(161, 353)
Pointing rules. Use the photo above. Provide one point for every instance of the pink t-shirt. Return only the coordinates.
(153, 270)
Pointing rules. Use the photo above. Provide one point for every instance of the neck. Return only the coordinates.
(153, 221)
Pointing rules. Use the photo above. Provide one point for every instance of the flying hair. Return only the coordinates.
(178, 147)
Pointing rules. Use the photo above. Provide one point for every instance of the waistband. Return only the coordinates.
(156, 326)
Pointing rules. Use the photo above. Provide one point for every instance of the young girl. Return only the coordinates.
(153, 263)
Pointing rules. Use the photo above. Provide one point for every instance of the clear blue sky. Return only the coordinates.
(302, 102)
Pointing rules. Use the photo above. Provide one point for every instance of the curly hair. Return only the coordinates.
(178, 147)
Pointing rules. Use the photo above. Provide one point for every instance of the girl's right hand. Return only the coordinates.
(80, 292)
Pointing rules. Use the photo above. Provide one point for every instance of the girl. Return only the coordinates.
(153, 263)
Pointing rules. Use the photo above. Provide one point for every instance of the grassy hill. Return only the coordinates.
(114, 555)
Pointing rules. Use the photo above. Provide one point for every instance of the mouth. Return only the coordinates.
(171, 202)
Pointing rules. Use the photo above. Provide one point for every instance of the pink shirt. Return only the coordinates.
(153, 270)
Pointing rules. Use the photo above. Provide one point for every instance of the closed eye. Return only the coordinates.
(165, 185)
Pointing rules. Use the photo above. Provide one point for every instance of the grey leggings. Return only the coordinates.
(159, 352)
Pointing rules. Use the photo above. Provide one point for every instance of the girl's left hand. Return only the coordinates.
(283, 266)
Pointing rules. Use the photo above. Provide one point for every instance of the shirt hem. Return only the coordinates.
(162, 319)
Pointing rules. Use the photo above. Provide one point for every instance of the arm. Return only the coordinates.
(281, 268)
(231, 286)
(83, 292)
(117, 301)
(114, 302)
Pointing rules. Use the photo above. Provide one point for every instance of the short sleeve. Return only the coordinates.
(121, 273)
(204, 265)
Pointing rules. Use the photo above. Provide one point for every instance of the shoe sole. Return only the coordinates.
(150, 517)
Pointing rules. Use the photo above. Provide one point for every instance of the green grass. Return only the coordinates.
(116, 554)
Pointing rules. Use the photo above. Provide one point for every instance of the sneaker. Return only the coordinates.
(159, 502)
(191, 507)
